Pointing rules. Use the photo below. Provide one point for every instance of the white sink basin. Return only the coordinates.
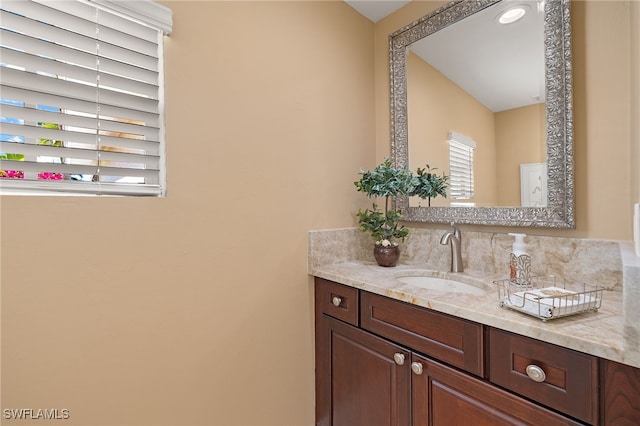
(441, 284)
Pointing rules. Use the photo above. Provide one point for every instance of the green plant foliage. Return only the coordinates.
(382, 226)
(50, 142)
(41, 141)
(15, 157)
(430, 185)
(388, 181)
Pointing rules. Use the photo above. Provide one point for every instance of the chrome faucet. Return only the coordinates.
(454, 238)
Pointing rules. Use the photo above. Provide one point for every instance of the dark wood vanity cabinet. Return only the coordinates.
(362, 379)
(453, 340)
(621, 395)
(568, 379)
(445, 396)
(384, 362)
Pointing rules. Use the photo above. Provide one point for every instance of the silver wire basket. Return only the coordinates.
(548, 297)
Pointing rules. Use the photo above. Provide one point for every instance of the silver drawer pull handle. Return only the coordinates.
(536, 373)
(336, 301)
(398, 358)
(416, 367)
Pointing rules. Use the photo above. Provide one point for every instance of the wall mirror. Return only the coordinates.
(520, 122)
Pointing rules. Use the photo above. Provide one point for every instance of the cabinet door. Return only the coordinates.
(443, 396)
(361, 379)
(621, 402)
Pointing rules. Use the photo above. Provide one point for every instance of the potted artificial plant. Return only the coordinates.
(387, 181)
(430, 185)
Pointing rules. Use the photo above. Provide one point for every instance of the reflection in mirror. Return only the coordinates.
(484, 80)
(458, 71)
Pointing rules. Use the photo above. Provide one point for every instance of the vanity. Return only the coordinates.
(392, 352)
(381, 361)
(389, 353)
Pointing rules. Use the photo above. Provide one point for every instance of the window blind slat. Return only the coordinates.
(128, 160)
(58, 13)
(80, 96)
(127, 85)
(33, 133)
(461, 167)
(72, 187)
(72, 104)
(33, 167)
(62, 70)
(17, 44)
(127, 164)
(129, 56)
(150, 134)
(58, 87)
(107, 19)
(40, 167)
(32, 150)
(38, 28)
(149, 76)
(65, 28)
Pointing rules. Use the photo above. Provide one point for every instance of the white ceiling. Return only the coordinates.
(375, 10)
(502, 66)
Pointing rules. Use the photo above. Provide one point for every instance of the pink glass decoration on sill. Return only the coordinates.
(17, 174)
(50, 176)
(11, 174)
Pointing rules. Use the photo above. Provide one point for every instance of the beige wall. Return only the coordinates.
(197, 309)
(602, 65)
(602, 110)
(436, 106)
(520, 139)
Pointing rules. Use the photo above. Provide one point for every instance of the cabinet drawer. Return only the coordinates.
(337, 300)
(452, 340)
(443, 396)
(570, 382)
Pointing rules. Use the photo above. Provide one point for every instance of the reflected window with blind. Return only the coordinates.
(461, 166)
(81, 97)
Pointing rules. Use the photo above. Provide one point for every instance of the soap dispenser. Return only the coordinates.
(520, 262)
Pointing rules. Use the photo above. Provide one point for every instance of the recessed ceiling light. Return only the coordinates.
(541, 6)
(511, 15)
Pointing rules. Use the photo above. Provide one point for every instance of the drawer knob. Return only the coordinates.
(536, 373)
(398, 358)
(416, 367)
(336, 301)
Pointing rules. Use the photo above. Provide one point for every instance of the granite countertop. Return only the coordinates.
(604, 333)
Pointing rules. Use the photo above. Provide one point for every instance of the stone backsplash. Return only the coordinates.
(592, 261)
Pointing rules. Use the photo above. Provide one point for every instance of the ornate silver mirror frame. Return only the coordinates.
(559, 212)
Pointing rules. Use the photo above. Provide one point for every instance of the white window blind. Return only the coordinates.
(461, 166)
(81, 96)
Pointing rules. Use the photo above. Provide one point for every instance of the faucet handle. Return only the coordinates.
(456, 231)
